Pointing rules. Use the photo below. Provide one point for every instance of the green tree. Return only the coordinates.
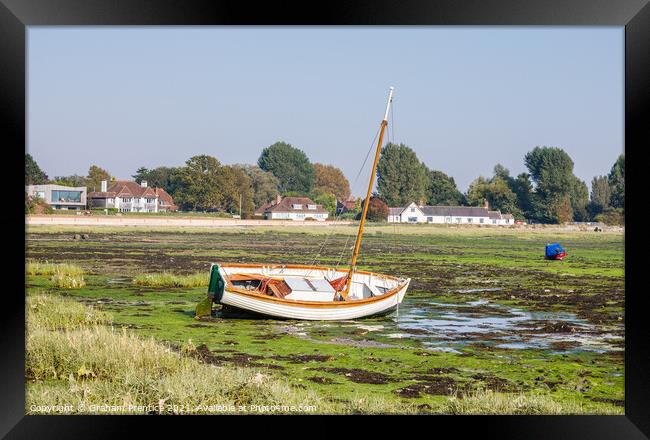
(523, 189)
(617, 183)
(200, 184)
(238, 188)
(601, 194)
(551, 169)
(562, 211)
(73, 180)
(159, 177)
(330, 179)
(579, 197)
(442, 190)
(95, 177)
(327, 199)
(264, 184)
(611, 216)
(521, 186)
(34, 175)
(401, 177)
(290, 165)
(496, 192)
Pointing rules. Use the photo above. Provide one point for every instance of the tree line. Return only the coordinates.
(548, 193)
(205, 184)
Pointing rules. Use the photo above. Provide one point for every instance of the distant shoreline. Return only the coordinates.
(202, 222)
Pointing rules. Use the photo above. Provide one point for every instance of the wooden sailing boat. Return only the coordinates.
(309, 292)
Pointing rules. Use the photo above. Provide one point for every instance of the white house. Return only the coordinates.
(456, 215)
(292, 208)
(127, 196)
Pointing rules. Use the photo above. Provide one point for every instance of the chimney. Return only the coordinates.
(278, 199)
(486, 205)
(143, 183)
(104, 186)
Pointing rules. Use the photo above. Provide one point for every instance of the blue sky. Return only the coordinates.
(466, 98)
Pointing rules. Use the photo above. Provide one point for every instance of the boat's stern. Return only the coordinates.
(402, 292)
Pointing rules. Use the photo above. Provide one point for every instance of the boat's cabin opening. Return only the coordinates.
(304, 288)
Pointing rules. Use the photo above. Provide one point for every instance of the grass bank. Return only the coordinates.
(74, 358)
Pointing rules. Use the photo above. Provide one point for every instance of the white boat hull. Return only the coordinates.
(394, 290)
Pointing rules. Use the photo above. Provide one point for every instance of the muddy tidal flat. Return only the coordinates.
(484, 309)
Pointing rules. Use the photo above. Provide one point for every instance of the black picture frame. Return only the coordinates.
(16, 15)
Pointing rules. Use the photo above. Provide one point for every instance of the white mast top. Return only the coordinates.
(390, 99)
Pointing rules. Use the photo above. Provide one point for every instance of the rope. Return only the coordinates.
(338, 215)
(342, 252)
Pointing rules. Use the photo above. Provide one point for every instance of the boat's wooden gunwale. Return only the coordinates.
(312, 304)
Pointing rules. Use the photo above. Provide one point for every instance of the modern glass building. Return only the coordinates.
(59, 196)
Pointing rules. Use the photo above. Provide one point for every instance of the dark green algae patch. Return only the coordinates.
(482, 312)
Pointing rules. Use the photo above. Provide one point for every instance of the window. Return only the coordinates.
(413, 219)
(458, 219)
(40, 194)
(126, 199)
(481, 221)
(296, 206)
(429, 219)
(494, 222)
(311, 206)
(150, 200)
(412, 209)
(66, 196)
(470, 220)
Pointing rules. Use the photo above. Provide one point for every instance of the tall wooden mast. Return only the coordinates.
(357, 245)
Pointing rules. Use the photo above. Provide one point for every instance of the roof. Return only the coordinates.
(127, 188)
(165, 198)
(494, 215)
(130, 188)
(286, 205)
(262, 209)
(453, 211)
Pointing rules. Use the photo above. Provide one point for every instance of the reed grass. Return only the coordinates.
(48, 312)
(61, 275)
(166, 279)
(487, 402)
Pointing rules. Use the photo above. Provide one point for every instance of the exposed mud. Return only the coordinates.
(322, 380)
(358, 375)
(436, 385)
(495, 383)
